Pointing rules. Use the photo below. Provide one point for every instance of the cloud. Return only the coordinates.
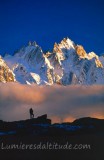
(61, 103)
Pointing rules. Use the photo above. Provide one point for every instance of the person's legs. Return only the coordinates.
(30, 116)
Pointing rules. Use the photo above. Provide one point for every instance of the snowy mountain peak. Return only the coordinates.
(65, 44)
(83, 55)
(32, 43)
(31, 48)
(80, 51)
(68, 43)
(66, 64)
(92, 55)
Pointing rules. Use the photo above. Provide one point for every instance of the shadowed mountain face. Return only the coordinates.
(42, 126)
(67, 64)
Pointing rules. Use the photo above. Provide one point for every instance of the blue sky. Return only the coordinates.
(50, 21)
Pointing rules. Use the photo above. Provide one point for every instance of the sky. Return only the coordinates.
(50, 21)
(60, 103)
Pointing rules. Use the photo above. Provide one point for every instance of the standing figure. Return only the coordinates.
(31, 113)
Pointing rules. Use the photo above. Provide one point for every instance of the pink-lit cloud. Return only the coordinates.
(60, 103)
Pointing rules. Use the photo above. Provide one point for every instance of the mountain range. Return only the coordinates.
(66, 64)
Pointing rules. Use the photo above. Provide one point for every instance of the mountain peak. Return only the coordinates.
(80, 51)
(66, 64)
(30, 43)
(65, 43)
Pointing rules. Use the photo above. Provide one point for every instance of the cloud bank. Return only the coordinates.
(61, 103)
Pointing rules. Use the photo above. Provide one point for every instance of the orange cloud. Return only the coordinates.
(61, 103)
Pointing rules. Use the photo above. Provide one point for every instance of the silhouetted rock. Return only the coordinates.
(42, 126)
(88, 121)
(42, 117)
(85, 131)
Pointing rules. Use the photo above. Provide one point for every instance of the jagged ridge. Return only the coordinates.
(67, 64)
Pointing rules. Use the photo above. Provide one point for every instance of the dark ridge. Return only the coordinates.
(42, 126)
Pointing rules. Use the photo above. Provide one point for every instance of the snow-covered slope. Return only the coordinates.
(72, 65)
(30, 65)
(68, 63)
(102, 59)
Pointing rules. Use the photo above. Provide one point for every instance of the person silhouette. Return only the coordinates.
(31, 113)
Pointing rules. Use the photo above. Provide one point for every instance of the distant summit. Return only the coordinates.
(67, 64)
